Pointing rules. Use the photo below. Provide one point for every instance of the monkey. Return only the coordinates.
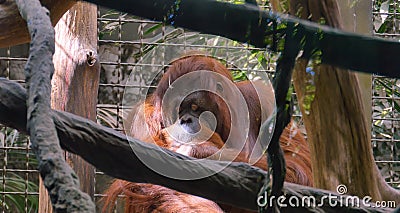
(202, 139)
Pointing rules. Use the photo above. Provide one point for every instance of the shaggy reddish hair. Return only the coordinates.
(143, 197)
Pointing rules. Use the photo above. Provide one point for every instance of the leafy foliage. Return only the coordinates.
(386, 16)
(17, 202)
(386, 105)
(386, 128)
(20, 187)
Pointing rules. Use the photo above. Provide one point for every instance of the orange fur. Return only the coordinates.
(143, 197)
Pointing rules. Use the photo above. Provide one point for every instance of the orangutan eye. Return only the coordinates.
(194, 107)
(220, 88)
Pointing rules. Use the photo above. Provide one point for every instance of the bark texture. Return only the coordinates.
(75, 81)
(13, 27)
(59, 179)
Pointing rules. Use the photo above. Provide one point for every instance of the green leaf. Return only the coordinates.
(153, 28)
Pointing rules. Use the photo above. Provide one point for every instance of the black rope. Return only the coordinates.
(58, 177)
(281, 83)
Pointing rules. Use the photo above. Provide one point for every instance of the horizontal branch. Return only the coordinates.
(111, 152)
(250, 24)
(245, 23)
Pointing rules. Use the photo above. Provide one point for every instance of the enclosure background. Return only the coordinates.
(123, 41)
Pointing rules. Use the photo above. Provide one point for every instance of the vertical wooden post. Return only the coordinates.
(359, 17)
(75, 81)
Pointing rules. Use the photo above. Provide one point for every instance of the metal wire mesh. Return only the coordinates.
(123, 43)
(386, 98)
(19, 177)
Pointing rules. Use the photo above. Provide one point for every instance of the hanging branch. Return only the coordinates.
(59, 179)
(281, 83)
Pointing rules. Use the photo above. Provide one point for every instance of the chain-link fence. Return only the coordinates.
(386, 98)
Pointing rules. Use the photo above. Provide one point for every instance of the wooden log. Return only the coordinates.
(13, 27)
(76, 78)
(110, 151)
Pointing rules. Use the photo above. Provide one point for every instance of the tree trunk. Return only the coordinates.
(334, 115)
(13, 27)
(75, 81)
